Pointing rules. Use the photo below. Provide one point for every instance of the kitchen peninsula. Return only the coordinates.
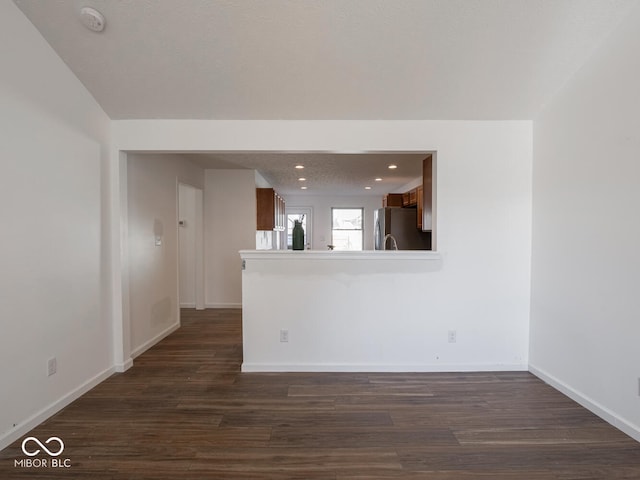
(349, 311)
(406, 310)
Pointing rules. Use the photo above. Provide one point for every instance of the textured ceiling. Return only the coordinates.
(329, 59)
(325, 173)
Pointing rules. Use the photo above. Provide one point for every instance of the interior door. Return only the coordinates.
(190, 247)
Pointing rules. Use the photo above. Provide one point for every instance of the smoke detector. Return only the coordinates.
(92, 19)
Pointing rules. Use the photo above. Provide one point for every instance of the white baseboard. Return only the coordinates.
(150, 343)
(123, 367)
(223, 305)
(192, 305)
(35, 420)
(47, 412)
(372, 368)
(603, 412)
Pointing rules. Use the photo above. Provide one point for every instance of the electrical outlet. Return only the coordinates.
(284, 336)
(52, 366)
(452, 336)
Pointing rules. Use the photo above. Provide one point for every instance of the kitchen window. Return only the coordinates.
(347, 228)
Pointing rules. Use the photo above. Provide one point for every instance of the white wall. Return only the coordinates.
(483, 195)
(416, 182)
(54, 273)
(373, 311)
(321, 205)
(153, 270)
(585, 323)
(230, 225)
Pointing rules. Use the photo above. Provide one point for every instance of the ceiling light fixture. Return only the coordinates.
(303, 188)
(392, 166)
(302, 179)
(92, 19)
(367, 188)
(378, 179)
(299, 167)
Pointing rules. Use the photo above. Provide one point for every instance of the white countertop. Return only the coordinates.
(412, 255)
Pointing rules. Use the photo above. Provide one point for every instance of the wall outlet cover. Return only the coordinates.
(284, 335)
(52, 366)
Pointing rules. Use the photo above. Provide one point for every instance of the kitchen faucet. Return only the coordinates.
(386, 237)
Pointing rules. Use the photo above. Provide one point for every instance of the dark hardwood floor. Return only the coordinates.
(184, 411)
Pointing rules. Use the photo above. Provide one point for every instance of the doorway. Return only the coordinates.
(190, 247)
(305, 216)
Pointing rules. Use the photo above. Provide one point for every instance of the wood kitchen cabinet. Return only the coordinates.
(421, 198)
(409, 199)
(427, 194)
(270, 209)
(392, 200)
(412, 197)
(419, 202)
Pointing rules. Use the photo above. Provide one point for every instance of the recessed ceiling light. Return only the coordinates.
(367, 188)
(378, 179)
(303, 188)
(392, 166)
(299, 167)
(302, 179)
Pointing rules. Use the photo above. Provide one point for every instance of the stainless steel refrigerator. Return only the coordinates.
(402, 224)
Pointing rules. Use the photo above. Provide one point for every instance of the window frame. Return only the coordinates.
(361, 229)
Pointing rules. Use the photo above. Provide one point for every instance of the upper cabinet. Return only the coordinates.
(270, 210)
(419, 204)
(392, 200)
(427, 195)
(410, 198)
(420, 197)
